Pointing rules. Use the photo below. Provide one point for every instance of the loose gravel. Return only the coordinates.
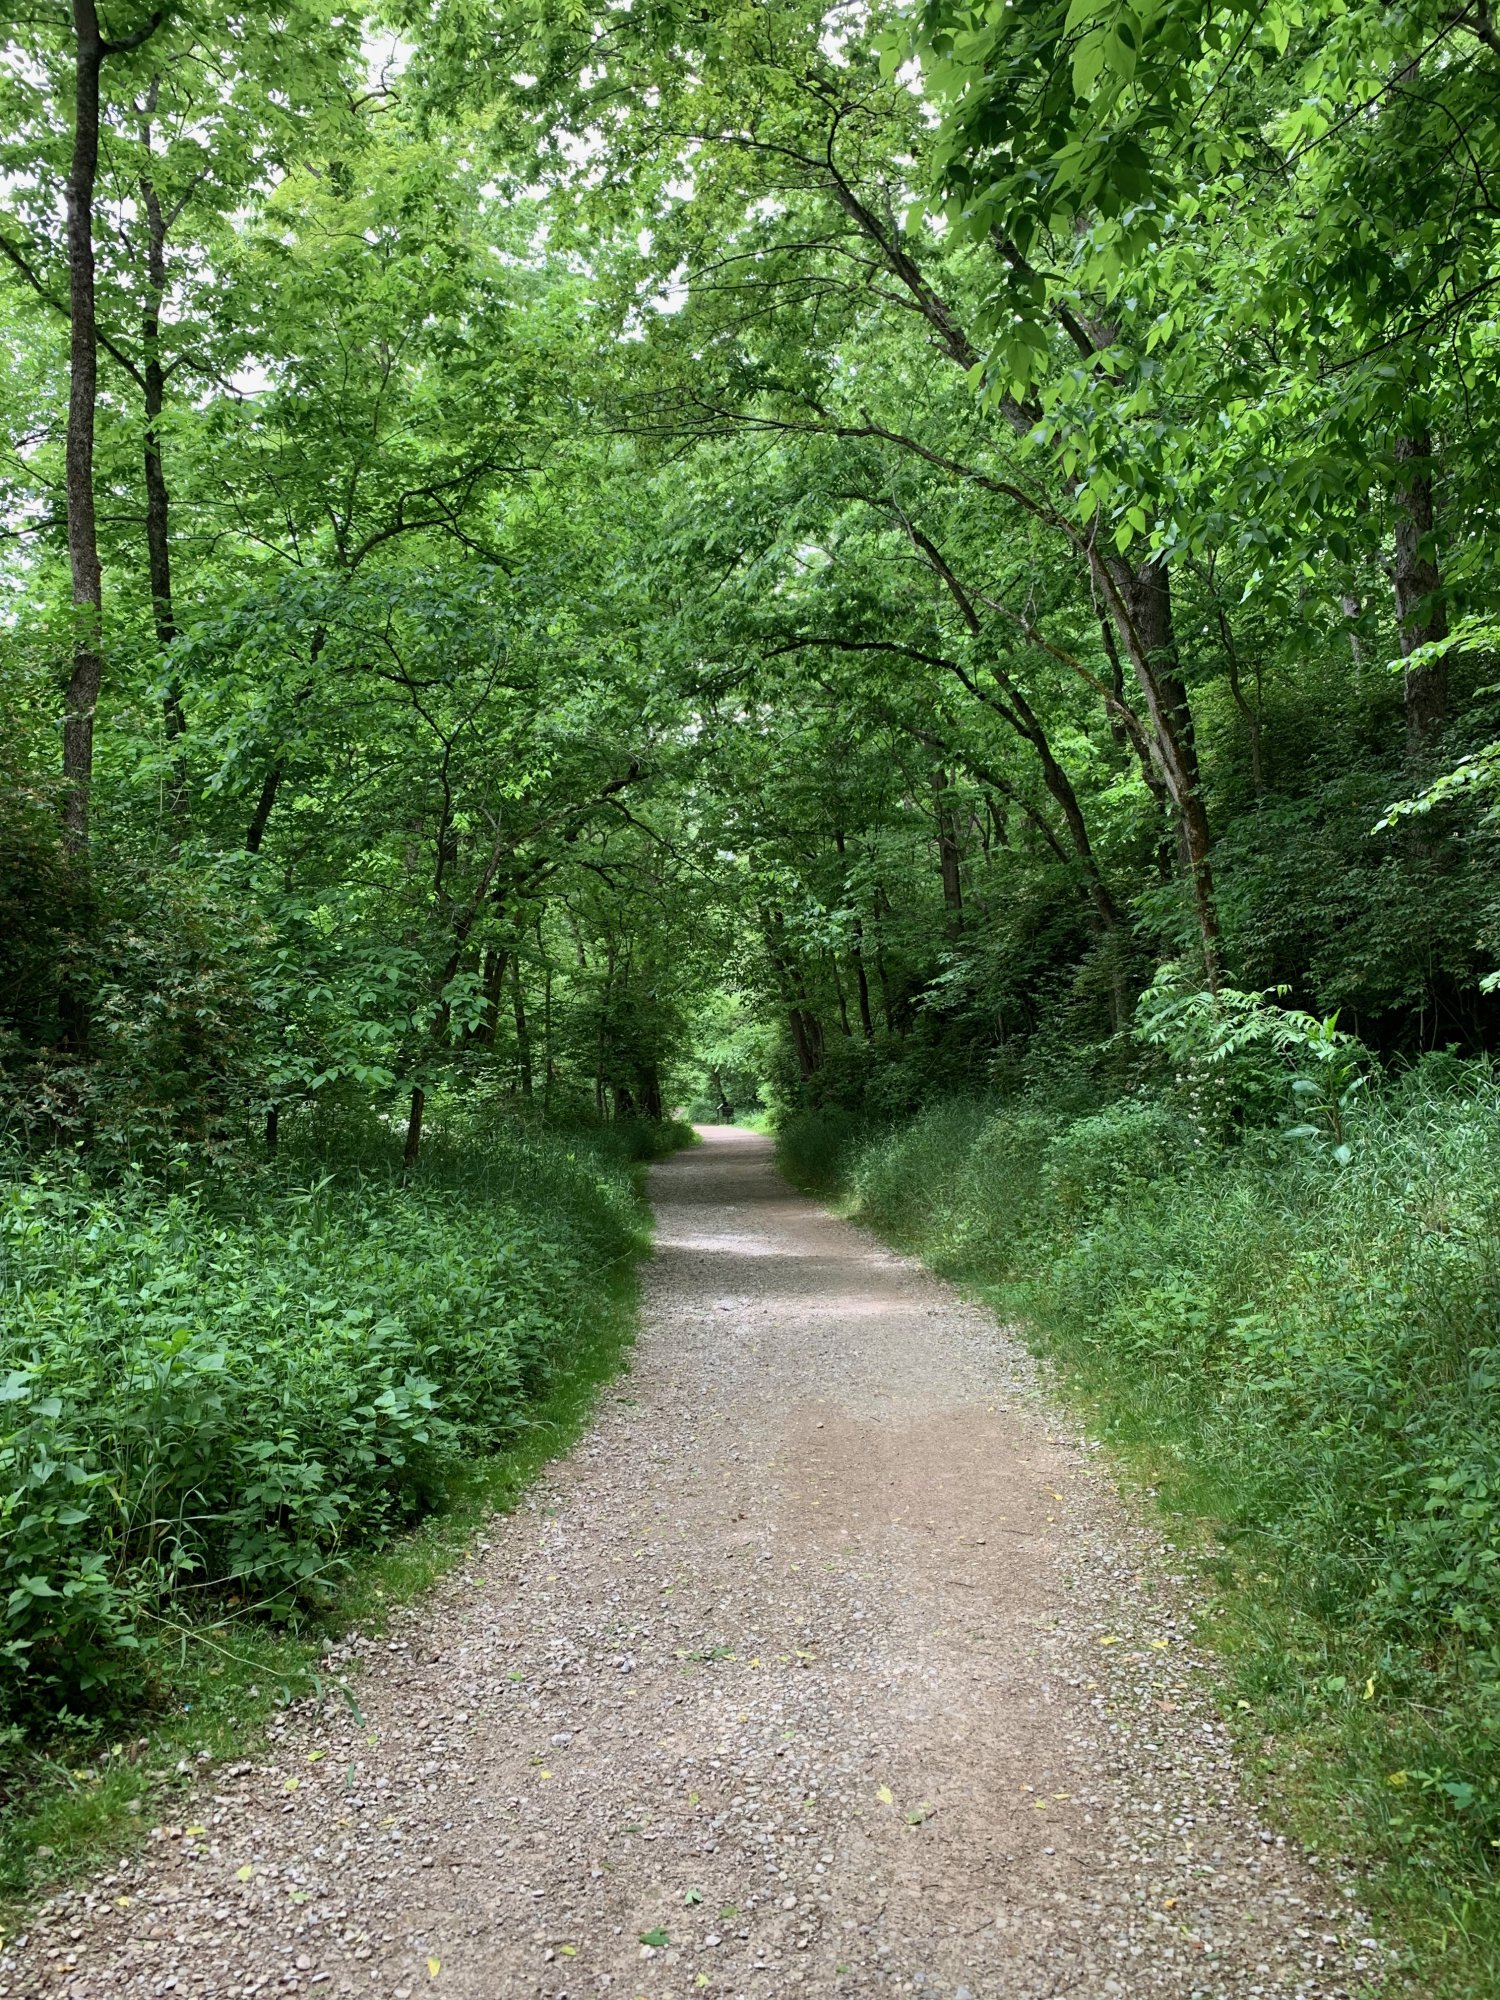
(828, 1663)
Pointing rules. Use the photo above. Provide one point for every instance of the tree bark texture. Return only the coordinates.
(83, 386)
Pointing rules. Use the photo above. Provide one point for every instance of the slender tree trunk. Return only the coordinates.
(83, 361)
(861, 982)
(895, 1011)
(255, 833)
(1150, 776)
(158, 500)
(1351, 607)
(272, 782)
(948, 859)
(1140, 603)
(1420, 612)
(89, 52)
(413, 1129)
(856, 952)
(493, 977)
(838, 988)
(650, 1092)
(548, 1075)
(523, 1033)
(806, 1029)
(1249, 711)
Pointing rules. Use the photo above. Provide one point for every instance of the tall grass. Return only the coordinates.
(1306, 1355)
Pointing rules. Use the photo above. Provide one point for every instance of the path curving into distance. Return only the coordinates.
(827, 1661)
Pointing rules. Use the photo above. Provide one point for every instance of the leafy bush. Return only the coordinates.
(1090, 1163)
(213, 1393)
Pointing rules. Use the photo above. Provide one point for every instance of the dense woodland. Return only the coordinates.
(925, 570)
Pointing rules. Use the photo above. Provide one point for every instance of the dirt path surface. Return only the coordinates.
(826, 1664)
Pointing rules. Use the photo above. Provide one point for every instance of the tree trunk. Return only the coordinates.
(650, 1092)
(948, 862)
(523, 1033)
(83, 362)
(548, 1073)
(1420, 612)
(158, 502)
(89, 52)
(1249, 711)
(838, 987)
(856, 953)
(413, 1129)
(494, 986)
(1140, 602)
(862, 984)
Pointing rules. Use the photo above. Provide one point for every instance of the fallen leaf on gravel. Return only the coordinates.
(434, 1967)
(693, 1896)
(194, 1832)
(244, 1874)
(290, 1785)
(1109, 1639)
(886, 1796)
(1158, 1645)
(656, 1939)
(920, 1815)
(316, 1756)
(123, 1902)
(544, 1774)
(568, 1950)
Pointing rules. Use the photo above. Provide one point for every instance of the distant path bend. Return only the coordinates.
(828, 1657)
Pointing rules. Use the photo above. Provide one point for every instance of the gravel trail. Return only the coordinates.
(828, 1663)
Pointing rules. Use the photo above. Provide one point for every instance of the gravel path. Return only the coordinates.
(827, 1664)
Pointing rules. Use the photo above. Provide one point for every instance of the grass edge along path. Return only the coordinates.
(1317, 1753)
(232, 1677)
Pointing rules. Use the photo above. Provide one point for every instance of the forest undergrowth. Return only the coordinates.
(250, 1410)
(1297, 1356)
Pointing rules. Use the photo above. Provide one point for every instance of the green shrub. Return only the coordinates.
(1093, 1162)
(209, 1395)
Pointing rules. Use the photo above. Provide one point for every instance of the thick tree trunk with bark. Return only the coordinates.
(1421, 614)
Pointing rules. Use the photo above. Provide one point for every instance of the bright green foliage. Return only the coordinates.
(221, 1394)
(798, 558)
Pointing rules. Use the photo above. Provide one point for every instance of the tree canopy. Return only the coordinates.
(532, 526)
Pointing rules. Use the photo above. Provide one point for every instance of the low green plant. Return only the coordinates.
(211, 1395)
